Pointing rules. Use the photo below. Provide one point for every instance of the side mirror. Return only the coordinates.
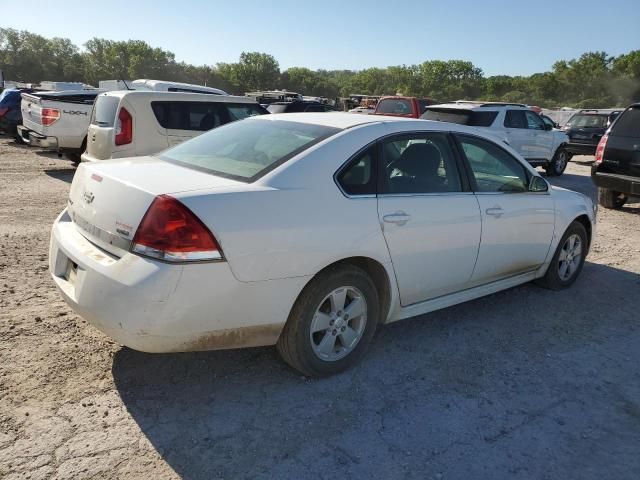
(538, 184)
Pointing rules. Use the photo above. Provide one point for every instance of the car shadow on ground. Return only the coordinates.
(64, 174)
(500, 382)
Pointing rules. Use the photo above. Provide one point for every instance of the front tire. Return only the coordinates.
(558, 163)
(611, 199)
(568, 260)
(331, 323)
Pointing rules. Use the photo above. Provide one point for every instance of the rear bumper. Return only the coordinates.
(37, 140)
(581, 148)
(158, 307)
(619, 183)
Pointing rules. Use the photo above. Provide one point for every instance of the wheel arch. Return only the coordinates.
(375, 270)
(586, 223)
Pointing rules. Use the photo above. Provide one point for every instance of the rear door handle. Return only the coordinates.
(399, 218)
(494, 212)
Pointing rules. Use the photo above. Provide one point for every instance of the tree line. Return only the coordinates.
(595, 79)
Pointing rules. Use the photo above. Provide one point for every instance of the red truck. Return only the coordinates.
(410, 107)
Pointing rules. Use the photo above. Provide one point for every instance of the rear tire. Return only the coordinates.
(611, 199)
(558, 163)
(566, 265)
(315, 351)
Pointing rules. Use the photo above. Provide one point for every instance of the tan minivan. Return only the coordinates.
(131, 123)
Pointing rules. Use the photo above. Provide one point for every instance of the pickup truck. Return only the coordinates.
(57, 120)
(410, 107)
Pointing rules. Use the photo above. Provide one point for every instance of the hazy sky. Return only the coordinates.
(500, 36)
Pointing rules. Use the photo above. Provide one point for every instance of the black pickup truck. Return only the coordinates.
(616, 170)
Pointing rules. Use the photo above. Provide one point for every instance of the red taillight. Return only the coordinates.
(3, 111)
(600, 148)
(124, 127)
(171, 232)
(49, 116)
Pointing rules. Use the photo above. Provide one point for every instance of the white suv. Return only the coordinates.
(133, 123)
(516, 124)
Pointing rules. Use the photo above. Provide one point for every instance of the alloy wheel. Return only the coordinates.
(570, 257)
(338, 324)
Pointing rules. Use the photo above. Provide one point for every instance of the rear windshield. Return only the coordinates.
(588, 121)
(9, 97)
(104, 111)
(247, 150)
(628, 124)
(399, 106)
(462, 117)
(238, 111)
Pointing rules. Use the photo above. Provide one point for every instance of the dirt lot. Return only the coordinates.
(523, 384)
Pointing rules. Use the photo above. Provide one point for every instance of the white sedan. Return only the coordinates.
(308, 231)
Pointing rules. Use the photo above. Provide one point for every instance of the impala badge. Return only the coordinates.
(87, 197)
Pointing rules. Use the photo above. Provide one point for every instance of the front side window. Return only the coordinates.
(247, 150)
(494, 169)
(534, 122)
(420, 163)
(358, 177)
(515, 119)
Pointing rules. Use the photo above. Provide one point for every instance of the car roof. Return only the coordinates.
(340, 120)
(480, 106)
(184, 96)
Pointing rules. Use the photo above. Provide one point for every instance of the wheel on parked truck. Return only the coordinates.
(558, 163)
(611, 199)
(331, 323)
(568, 260)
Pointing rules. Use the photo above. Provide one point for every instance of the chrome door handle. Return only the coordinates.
(399, 218)
(494, 212)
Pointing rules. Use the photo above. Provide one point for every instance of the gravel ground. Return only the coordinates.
(523, 384)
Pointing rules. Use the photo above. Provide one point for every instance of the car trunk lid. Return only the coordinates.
(108, 200)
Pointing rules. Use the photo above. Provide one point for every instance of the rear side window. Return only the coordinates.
(482, 119)
(238, 111)
(462, 117)
(628, 124)
(515, 119)
(196, 116)
(358, 177)
(104, 111)
(247, 150)
(398, 106)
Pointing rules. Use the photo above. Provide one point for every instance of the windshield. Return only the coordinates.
(248, 149)
(588, 121)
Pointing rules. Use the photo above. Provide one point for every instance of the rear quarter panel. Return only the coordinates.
(297, 221)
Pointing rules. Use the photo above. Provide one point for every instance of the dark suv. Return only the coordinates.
(298, 106)
(616, 170)
(585, 129)
(10, 113)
